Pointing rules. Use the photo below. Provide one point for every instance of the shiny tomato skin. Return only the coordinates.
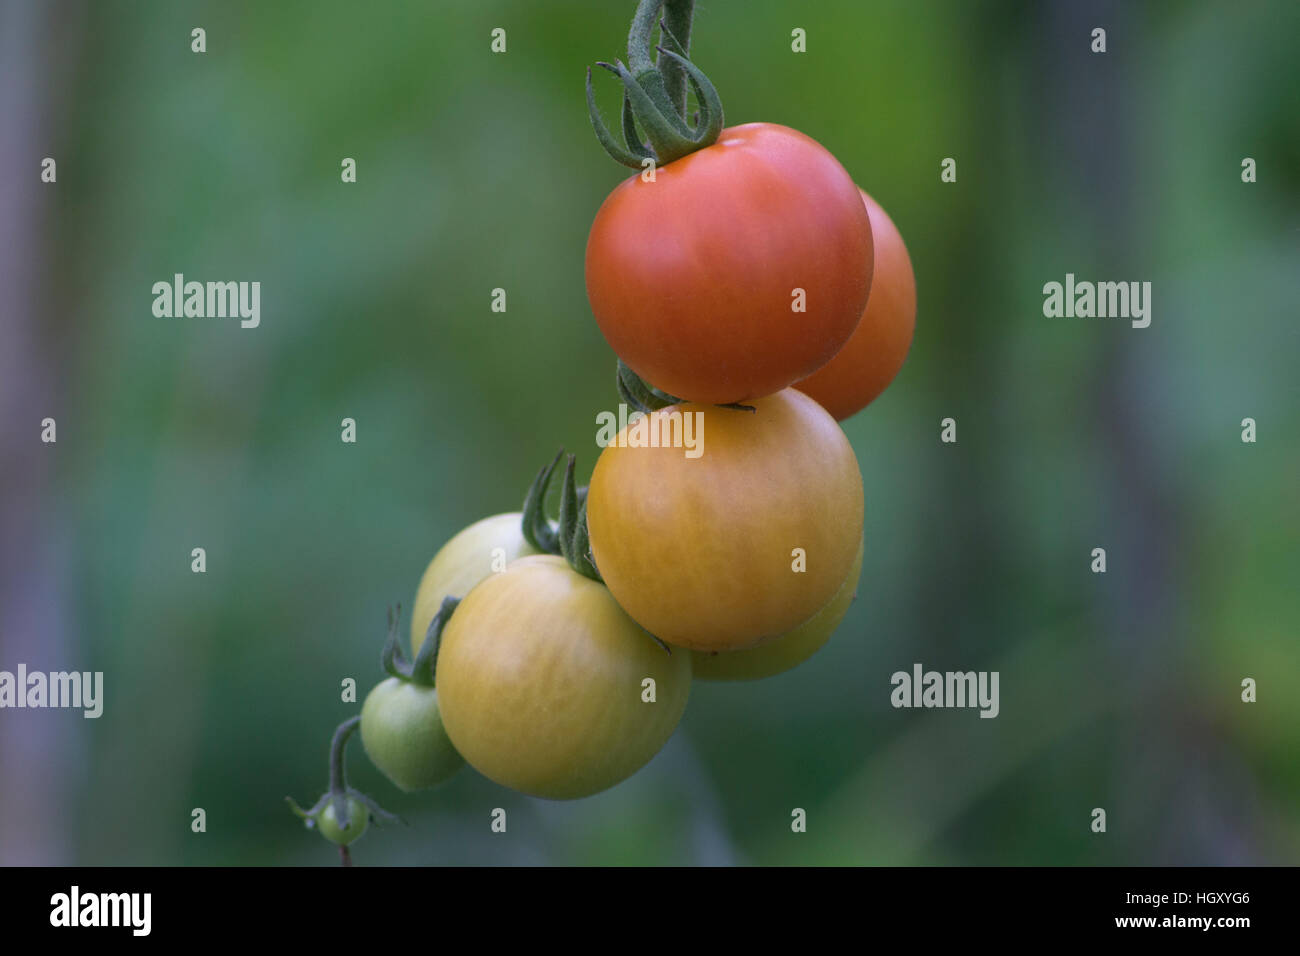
(540, 683)
(470, 556)
(873, 355)
(701, 551)
(785, 652)
(691, 277)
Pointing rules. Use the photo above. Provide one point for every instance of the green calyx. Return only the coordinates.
(421, 670)
(569, 538)
(644, 397)
(639, 394)
(339, 793)
(654, 91)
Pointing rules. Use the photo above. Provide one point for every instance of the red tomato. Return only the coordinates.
(692, 277)
(873, 355)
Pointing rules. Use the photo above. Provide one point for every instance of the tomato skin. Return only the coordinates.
(699, 551)
(358, 817)
(691, 276)
(463, 562)
(787, 651)
(539, 676)
(873, 355)
(401, 729)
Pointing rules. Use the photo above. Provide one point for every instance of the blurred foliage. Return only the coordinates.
(478, 171)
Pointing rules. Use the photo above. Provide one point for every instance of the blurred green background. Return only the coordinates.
(478, 171)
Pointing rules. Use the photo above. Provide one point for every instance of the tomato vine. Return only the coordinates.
(339, 795)
(420, 671)
(654, 91)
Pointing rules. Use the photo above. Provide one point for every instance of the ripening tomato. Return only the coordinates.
(871, 358)
(401, 729)
(742, 268)
(474, 553)
(740, 544)
(784, 652)
(548, 687)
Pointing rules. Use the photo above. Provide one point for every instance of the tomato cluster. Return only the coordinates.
(743, 552)
(751, 271)
(755, 296)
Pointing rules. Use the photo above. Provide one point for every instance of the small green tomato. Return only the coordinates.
(358, 820)
(402, 732)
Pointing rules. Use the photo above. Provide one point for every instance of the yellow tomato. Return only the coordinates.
(548, 687)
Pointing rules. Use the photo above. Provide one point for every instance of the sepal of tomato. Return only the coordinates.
(739, 270)
(739, 544)
(542, 680)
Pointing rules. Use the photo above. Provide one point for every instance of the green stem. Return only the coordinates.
(391, 659)
(426, 662)
(655, 94)
(339, 776)
(639, 59)
(338, 791)
(645, 83)
(677, 18)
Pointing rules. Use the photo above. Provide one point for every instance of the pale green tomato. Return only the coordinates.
(358, 820)
(548, 687)
(788, 650)
(474, 553)
(401, 729)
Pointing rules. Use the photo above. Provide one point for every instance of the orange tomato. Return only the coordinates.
(738, 545)
(787, 651)
(871, 358)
